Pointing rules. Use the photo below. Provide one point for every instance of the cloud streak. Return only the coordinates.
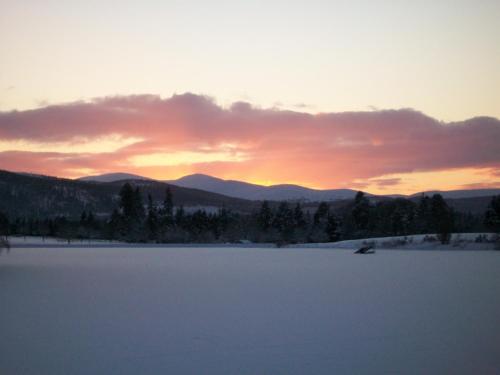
(191, 133)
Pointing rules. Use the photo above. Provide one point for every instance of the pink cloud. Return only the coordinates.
(328, 149)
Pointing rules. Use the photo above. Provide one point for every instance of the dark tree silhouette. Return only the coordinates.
(321, 214)
(332, 228)
(361, 211)
(442, 218)
(299, 218)
(4, 232)
(284, 222)
(492, 215)
(151, 220)
(265, 217)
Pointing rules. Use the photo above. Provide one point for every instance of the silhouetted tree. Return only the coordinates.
(4, 232)
(284, 222)
(151, 220)
(132, 210)
(180, 217)
(115, 225)
(442, 218)
(265, 217)
(138, 205)
(298, 216)
(332, 228)
(423, 215)
(321, 214)
(492, 215)
(361, 211)
(127, 201)
(167, 209)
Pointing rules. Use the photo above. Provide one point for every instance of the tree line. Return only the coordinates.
(140, 219)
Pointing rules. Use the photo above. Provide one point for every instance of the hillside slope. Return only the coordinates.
(246, 190)
(42, 196)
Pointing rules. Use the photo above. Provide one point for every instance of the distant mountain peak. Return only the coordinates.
(112, 177)
(199, 176)
(291, 192)
(245, 190)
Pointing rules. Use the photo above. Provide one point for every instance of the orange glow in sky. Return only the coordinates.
(385, 96)
(390, 151)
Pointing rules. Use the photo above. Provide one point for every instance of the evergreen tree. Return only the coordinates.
(321, 214)
(91, 222)
(317, 232)
(180, 217)
(492, 215)
(151, 220)
(138, 205)
(83, 218)
(222, 221)
(199, 224)
(284, 222)
(132, 210)
(298, 216)
(167, 210)
(4, 232)
(442, 217)
(424, 215)
(265, 217)
(332, 228)
(4, 224)
(127, 201)
(361, 212)
(115, 225)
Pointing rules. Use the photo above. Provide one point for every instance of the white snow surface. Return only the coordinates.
(248, 311)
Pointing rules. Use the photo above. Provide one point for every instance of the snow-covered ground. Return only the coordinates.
(459, 241)
(248, 311)
(51, 242)
(34, 241)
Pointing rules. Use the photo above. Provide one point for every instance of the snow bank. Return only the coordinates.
(36, 241)
(464, 241)
(51, 242)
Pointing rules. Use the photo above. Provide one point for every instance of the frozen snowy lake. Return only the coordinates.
(248, 311)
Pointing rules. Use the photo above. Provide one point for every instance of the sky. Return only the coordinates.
(386, 96)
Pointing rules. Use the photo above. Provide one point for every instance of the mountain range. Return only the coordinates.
(28, 195)
(31, 195)
(245, 190)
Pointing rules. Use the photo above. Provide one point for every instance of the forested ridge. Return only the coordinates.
(138, 217)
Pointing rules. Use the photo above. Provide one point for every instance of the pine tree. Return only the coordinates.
(284, 221)
(265, 217)
(91, 222)
(492, 215)
(116, 225)
(83, 219)
(361, 211)
(321, 214)
(298, 216)
(180, 217)
(423, 215)
(151, 220)
(138, 205)
(4, 232)
(167, 210)
(132, 211)
(332, 228)
(127, 201)
(442, 218)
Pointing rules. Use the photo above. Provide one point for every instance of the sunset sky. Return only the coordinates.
(386, 96)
